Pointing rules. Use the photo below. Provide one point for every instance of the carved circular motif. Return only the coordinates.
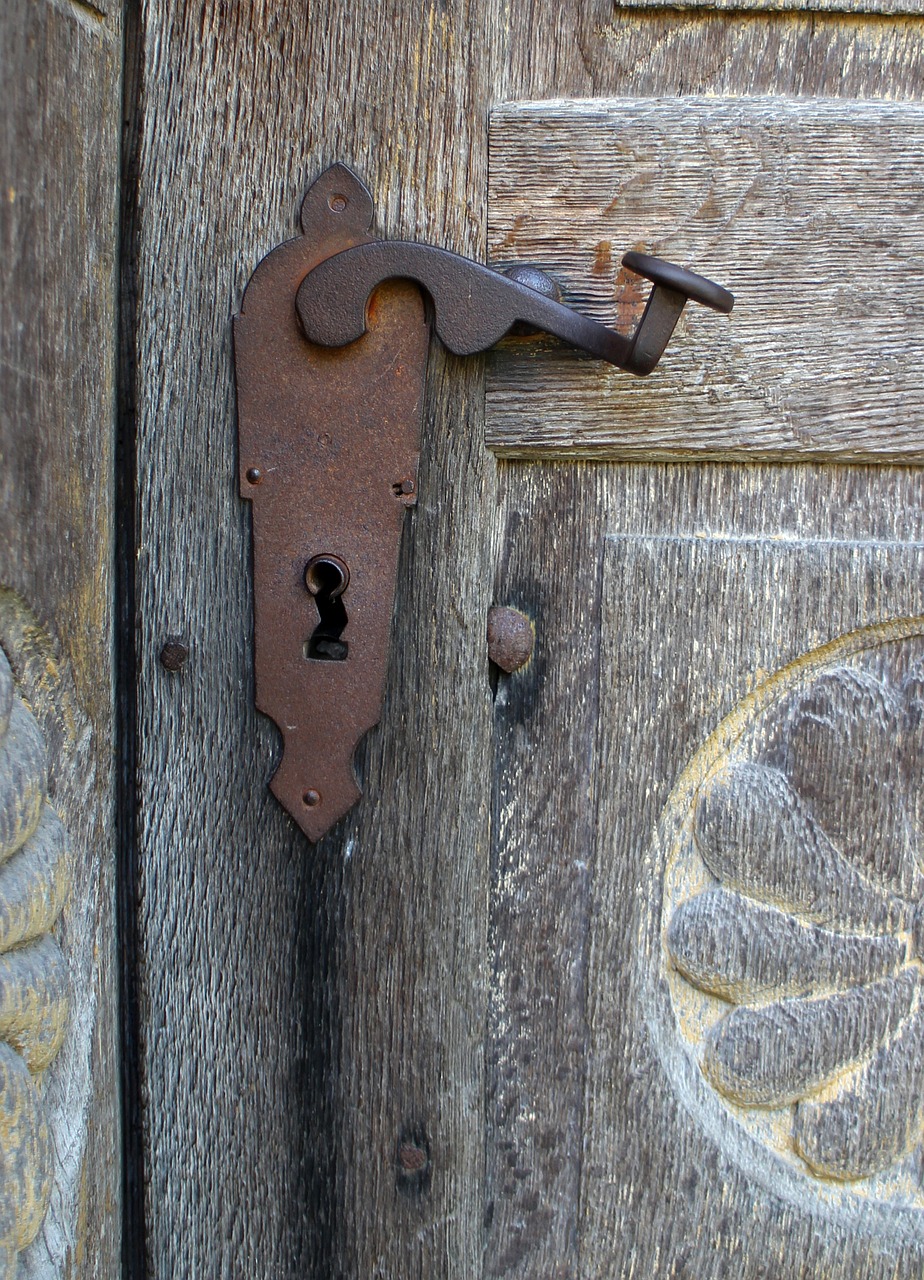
(34, 866)
(793, 923)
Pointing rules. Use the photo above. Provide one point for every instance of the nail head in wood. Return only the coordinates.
(174, 654)
(511, 638)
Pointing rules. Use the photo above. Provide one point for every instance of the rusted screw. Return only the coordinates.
(533, 278)
(254, 475)
(411, 1158)
(174, 654)
(312, 797)
(510, 638)
(413, 1162)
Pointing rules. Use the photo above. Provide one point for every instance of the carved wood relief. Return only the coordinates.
(794, 917)
(54, 935)
(34, 987)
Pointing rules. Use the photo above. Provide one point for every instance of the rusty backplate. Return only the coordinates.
(328, 452)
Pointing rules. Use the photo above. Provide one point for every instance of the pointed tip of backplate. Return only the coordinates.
(340, 196)
(316, 796)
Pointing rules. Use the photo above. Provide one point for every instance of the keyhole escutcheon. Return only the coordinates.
(327, 578)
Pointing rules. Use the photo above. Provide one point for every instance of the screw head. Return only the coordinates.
(174, 653)
(411, 1158)
(311, 798)
(538, 281)
(533, 278)
(413, 1168)
(510, 638)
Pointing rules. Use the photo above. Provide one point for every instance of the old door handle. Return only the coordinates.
(474, 307)
(331, 353)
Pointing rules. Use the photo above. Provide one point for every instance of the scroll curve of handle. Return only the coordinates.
(474, 306)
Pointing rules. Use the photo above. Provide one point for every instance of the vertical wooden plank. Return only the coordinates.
(59, 139)
(543, 837)
(313, 1018)
(584, 50)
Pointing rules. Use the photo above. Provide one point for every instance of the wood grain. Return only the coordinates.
(748, 953)
(777, 1054)
(555, 516)
(746, 616)
(589, 51)
(34, 995)
(852, 726)
(755, 832)
(560, 515)
(313, 1019)
(314, 1061)
(811, 212)
(542, 837)
(877, 1119)
(59, 139)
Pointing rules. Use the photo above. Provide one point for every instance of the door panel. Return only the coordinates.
(398, 1053)
(776, 663)
(305, 1012)
(60, 1142)
(575, 1065)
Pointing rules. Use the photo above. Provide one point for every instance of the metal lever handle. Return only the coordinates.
(474, 306)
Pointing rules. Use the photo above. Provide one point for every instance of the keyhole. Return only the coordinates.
(326, 577)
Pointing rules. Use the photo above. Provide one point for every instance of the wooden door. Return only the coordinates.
(60, 1145)
(614, 970)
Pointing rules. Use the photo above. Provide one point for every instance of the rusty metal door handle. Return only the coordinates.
(331, 353)
(474, 307)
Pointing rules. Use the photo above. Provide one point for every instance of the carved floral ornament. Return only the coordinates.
(34, 987)
(793, 923)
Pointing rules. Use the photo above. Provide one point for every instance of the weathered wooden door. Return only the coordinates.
(615, 969)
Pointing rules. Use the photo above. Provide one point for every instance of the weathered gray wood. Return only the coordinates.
(546, 727)
(756, 833)
(542, 837)
(735, 611)
(314, 1018)
(779, 1053)
(746, 952)
(59, 151)
(589, 50)
(811, 212)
